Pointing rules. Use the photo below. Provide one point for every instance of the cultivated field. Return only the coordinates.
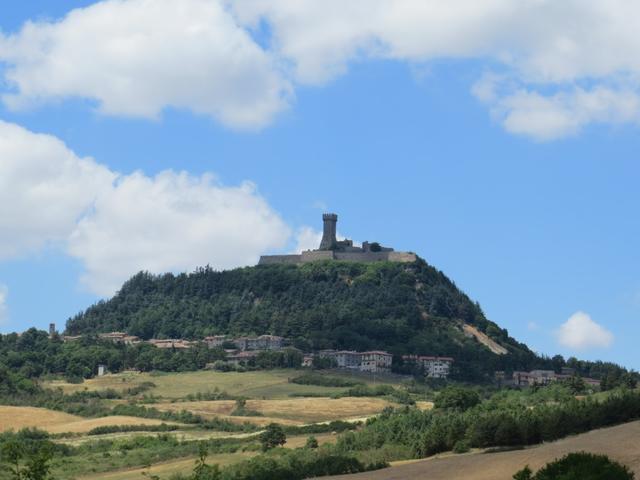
(290, 411)
(15, 418)
(260, 384)
(621, 443)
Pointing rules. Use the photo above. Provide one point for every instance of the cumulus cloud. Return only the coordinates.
(581, 332)
(307, 238)
(172, 222)
(4, 313)
(44, 189)
(137, 57)
(119, 224)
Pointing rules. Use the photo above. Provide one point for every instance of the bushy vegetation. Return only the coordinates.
(497, 422)
(324, 380)
(318, 305)
(579, 466)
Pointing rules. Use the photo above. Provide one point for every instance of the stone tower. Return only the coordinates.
(329, 231)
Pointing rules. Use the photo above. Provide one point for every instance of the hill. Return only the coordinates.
(619, 442)
(400, 307)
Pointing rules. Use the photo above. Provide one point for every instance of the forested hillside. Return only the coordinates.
(403, 308)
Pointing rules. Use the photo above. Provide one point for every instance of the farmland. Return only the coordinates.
(271, 384)
(619, 442)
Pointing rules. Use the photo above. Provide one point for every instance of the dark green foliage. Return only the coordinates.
(404, 308)
(312, 442)
(490, 424)
(26, 455)
(579, 466)
(324, 380)
(295, 465)
(458, 398)
(273, 436)
(105, 429)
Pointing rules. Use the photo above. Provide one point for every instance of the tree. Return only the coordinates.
(27, 460)
(457, 398)
(524, 474)
(579, 466)
(312, 442)
(202, 471)
(273, 436)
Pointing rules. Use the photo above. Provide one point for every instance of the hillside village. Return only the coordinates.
(246, 348)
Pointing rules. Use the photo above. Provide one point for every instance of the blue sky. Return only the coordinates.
(518, 178)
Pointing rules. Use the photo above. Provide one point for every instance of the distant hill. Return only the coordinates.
(399, 307)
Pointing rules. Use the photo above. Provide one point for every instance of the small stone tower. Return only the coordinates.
(329, 240)
(52, 330)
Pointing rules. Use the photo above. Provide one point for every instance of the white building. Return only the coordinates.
(434, 367)
(375, 361)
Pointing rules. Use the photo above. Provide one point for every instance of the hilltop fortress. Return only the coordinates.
(332, 249)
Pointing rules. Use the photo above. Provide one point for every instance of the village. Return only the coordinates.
(241, 350)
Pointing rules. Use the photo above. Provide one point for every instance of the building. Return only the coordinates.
(307, 361)
(120, 337)
(331, 248)
(263, 342)
(375, 361)
(545, 377)
(102, 369)
(241, 358)
(215, 341)
(177, 344)
(348, 359)
(52, 330)
(432, 366)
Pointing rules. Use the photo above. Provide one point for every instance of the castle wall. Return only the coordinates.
(316, 255)
(274, 259)
(362, 256)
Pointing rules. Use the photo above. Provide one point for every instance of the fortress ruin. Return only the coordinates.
(333, 249)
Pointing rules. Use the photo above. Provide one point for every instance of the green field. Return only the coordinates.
(272, 384)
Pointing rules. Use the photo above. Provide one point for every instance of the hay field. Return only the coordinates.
(622, 443)
(15, 418)
(266, 384)
(84, 425)
(259, 384)
(287, 411)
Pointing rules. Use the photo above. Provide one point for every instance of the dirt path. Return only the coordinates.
(621, 443)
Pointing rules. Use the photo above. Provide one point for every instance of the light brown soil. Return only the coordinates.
(622, 443)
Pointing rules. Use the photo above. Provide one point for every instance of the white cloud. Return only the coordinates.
(580, 332)
(44, 189)
(529, 41)
(548, 117)
(533, 327)
(136, 57)
(172, 222)
(4, 313)
(119, 224)
(307, 238)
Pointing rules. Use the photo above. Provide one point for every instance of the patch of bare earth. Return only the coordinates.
(491, 344)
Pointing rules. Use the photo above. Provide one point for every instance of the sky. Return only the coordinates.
(496, 139)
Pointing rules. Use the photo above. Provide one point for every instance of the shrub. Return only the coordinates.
(579, 466)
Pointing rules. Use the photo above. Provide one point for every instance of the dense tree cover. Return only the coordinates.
(497, 422)
(579, 466)
(404, 308)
